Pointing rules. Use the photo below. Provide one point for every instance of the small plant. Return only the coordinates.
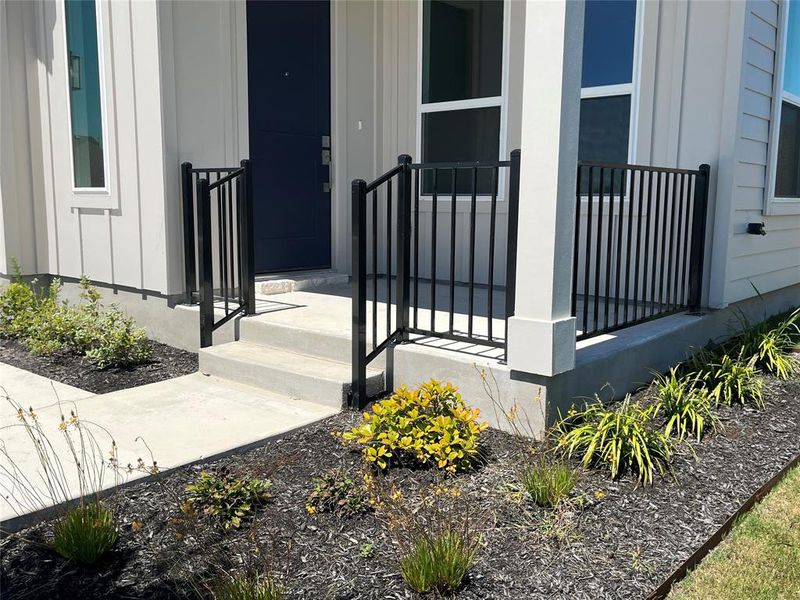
(228, 498)
(430, 425)
(621, 438)
(685, 404)
(367, 549)
(335, 492)
(769, 344)
(85, 533)
(438, 562)
(248, 586)
(729, 380)
(546, 482)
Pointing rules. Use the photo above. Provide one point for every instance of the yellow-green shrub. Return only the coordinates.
(429, 425)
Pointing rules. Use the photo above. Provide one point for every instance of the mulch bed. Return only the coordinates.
(166, 362)
(619, 546)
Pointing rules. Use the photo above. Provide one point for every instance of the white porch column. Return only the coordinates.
(541, 334)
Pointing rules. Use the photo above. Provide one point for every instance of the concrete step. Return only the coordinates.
(324, 344)
(282, 283)
(309, 378)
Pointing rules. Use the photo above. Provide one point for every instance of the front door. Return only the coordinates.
(288, 56)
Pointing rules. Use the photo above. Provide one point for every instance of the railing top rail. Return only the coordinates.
(213, 169)
(633, 167)
(226, 179)
(480, 164)
(384, 178)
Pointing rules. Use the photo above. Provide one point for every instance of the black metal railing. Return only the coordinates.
(405, 230)
(639, 244)
(218, 244)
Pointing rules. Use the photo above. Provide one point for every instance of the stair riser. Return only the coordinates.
(299, 340)
(276, 379)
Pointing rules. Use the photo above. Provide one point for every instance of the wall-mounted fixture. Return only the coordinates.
(756, 229)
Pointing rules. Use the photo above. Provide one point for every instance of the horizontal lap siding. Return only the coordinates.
(768, 262)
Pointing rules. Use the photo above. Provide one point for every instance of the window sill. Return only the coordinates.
(778, 207)
(101, 199)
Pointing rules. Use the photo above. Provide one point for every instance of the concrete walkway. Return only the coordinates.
(181, 420)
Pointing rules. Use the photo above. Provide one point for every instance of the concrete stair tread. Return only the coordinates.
(317, 379)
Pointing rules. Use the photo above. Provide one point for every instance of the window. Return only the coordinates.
(607, 80)
(461, 108)
(787, 163)
(86, 117)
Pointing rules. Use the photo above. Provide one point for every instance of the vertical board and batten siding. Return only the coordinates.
(773, 261)
(120, 239)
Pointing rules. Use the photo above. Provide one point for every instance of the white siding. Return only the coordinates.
(772, 261)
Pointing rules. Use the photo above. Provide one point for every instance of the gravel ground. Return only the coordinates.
(620, 546)
(166, 362)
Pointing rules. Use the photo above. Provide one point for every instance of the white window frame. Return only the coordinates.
(487, 102)
(776, 205)
(632, 89)
(90, 197)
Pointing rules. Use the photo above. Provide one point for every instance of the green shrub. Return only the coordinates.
(685, 404)
(248, 587)
(430, 425)
(17, 308)
(117, 341)
(228, 498)
(769, 344)
(620, 438)
(729, 380)
(335, 492)
(547, 483)
(85, 534)
(439, 562)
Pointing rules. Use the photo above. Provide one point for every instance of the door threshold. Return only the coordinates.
(296, 281)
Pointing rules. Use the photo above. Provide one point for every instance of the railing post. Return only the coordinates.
(403, 244)
(189, 264)
(248, 249)
(696, 256)
(206, 267)
(358, 389)
(513, 221)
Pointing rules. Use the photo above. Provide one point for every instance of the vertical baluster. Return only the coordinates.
(657, 205)
(374, 268)
(599, 251)
(628, 243)
(588, 262)
(690, 190)
(576, 242)
(240, 237)
(671, 265)
(453, 202)
(637, 266)
(664, 241)
(609, 247)
(388, 258)
(416, 245)
(620, 222)
(231, 231)
(434, 216)
(472, 211)
(679, 235)
(492, 234)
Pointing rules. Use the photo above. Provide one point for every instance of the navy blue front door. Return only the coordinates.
(288, 56)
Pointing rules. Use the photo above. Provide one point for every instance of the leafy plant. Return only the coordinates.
(248, 586)
(685, 404)
(439, 562)
(769, 344)
(335, 492)
(430, 425)
(728, 380)
(228, 498)
(85, 533)
(547, 482)
(620, 438)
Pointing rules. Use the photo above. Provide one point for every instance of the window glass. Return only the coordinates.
(604, 128)
(84, 94)
(462, 49)
(787, 172)
(461, 135)
(791, 68)
(608, 38)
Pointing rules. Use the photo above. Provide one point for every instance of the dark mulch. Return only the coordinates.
(166, 362)
(620, 546)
